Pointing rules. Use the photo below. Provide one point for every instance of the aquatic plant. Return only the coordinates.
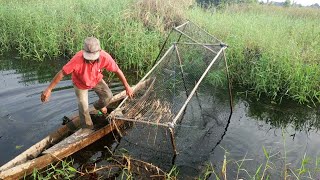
(119, 167)
(62, 170)
(274, 166)
(308, 169)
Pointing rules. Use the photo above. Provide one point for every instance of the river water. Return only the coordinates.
(288, 130)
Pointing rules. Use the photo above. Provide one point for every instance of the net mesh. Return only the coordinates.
(186, 90)
(183, 68)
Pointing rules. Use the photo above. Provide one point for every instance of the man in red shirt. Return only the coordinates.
(86, 68)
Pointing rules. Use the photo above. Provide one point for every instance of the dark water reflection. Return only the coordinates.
(300, 117)
(24, 120)
(288, 130)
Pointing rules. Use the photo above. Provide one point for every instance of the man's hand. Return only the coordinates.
(129, 92)
(45, 95)
(123, 79)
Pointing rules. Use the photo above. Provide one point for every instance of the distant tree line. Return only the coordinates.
(221, 3)
(207, 3)
(287, 3)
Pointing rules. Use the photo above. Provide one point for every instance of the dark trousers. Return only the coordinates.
(104, 93)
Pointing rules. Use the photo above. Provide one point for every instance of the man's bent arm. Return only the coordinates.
(47, 93)
(123, 79)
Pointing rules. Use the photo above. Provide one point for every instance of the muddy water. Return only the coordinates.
(24, 120)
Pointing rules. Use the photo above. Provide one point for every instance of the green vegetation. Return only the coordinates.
(52, 29)
(274, 51)
(118, 167)
(61, 170)
(269, 169)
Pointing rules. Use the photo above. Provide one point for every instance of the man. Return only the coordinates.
(86, 67)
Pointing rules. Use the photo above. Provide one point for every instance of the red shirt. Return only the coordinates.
(86, 75)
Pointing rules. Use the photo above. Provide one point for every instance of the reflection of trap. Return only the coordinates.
(189, 78)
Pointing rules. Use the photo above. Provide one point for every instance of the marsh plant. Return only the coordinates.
(275, 165)
(118, 167)
(61, 170)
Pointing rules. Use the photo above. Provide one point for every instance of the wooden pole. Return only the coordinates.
(173, 142)
(229, 83)
(36, 149)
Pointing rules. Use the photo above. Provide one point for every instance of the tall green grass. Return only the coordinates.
(273, 50)
(51, 29)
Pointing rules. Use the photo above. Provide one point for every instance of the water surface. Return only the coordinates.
(24, 120)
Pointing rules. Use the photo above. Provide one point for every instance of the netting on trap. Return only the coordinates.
(187, 87)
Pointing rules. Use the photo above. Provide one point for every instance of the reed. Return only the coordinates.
(269, 169)
(273, 51)
(53, 29)
(161, 15)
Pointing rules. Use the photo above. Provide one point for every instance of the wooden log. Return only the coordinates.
(42, 161)
(77, 136)
(36, 149)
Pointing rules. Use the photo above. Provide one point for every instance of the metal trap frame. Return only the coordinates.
(175, 78)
